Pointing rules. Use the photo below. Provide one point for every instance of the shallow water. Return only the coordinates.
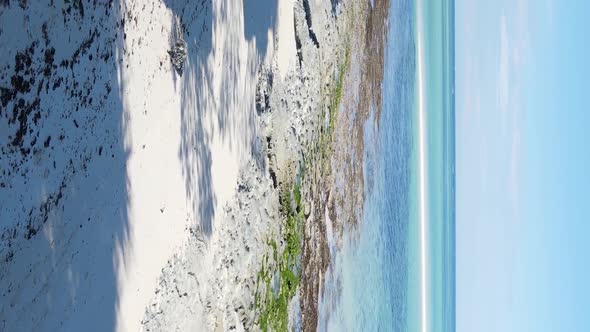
(374, 280)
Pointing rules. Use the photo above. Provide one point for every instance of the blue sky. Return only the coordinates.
(523, 165)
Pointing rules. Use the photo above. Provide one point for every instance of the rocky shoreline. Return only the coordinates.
(224, 286)
(308, 119)
(90, 119)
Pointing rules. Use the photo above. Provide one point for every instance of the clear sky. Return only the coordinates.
(523, 165)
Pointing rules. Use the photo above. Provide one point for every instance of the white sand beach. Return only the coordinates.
(124, 180)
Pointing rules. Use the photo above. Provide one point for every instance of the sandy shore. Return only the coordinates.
(110, 156)
(134, 196)
(291, 96)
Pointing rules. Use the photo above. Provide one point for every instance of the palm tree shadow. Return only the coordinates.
(259, 17)
(197, 22)
(65, 225)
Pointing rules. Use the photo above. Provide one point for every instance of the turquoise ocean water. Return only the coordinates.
(375, 280)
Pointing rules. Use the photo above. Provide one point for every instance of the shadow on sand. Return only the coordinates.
(213, 85)
(63, 176)
(64, 193)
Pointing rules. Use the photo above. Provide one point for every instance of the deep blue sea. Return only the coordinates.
(380, 268)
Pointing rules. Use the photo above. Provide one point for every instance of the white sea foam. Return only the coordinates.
(422, 164)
